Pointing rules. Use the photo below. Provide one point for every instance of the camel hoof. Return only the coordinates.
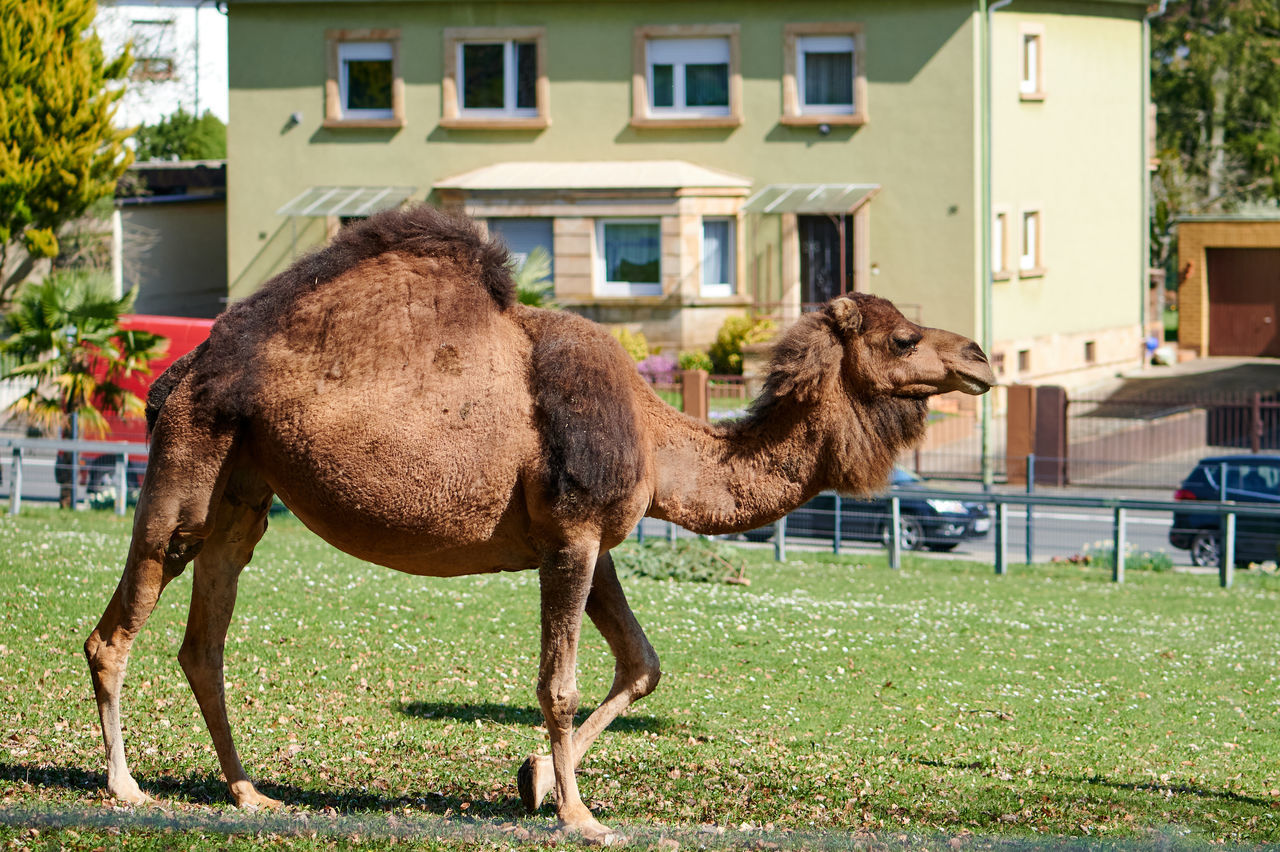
(534, 780)
(129, 792)
(247, 797)
(592, 833)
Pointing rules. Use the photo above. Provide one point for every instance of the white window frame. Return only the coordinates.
(605, 287)
(722, 289)
(1000, 244)
(1031, 62)
(510, 73)
(1031, 251)
(356, 51)
(837, 43)
(680, 52)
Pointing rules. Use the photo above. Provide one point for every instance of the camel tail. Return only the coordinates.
(166, 382)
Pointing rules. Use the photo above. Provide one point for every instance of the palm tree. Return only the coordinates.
(533, 284)
(63, 336)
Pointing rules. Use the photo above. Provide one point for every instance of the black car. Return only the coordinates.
(1250, 479)
(937, 523)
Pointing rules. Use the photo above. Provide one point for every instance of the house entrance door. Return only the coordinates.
(825, 270)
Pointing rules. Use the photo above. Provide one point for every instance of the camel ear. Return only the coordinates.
(845, 315)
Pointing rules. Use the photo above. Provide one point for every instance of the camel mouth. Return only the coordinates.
(972, 384)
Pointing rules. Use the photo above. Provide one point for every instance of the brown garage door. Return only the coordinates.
(1244, 301)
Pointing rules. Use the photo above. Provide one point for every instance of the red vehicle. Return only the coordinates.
(184, 334)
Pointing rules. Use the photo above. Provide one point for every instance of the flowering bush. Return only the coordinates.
(658, 368)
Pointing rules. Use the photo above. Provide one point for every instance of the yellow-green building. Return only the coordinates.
(686, 160)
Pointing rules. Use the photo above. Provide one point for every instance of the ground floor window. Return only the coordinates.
(718, 255)
(630, 257)
(523, 234)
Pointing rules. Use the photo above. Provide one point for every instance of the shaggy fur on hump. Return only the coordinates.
(418, 230)
(581, 381)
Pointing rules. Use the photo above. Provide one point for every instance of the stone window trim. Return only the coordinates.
(642, 116)
(451, 93)
(792, 113)
(332, 91)
(1033, 267)
(1031, 80)
(1001, 269)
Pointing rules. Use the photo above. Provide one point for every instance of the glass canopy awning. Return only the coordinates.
(833, 198)
(346, 200)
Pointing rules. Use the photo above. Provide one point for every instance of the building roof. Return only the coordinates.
(604, 174)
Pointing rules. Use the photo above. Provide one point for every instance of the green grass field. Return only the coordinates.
(830, 703)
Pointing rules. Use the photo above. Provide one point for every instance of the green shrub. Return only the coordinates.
(695, 360)
(726, 352)
(632, 341)
(690, 560)
(1103, 554)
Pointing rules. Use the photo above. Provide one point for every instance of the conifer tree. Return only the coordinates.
(59, 148)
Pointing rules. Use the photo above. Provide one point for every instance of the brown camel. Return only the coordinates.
(392, 393)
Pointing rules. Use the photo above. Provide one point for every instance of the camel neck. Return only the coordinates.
(717, 479)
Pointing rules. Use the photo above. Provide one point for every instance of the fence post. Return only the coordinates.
(1227, 552)
(1002, 539)
(640, 531)
(1031, 486)
(780, 540)
(693, 387)
(835, 539)
(895, 533)
(122, 484)
(1118, 539)
(15, 487)
(1255, 430)
(671, 532)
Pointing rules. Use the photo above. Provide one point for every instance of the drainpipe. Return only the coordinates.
(988, 332)
(1145, 164)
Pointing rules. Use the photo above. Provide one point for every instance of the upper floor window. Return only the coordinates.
(495, 78)
(823, 81)
(718, 256)
(1000, 244)
(1030, 262)
(364, 88)
(1031, 40)
(630, 257)
(687, 76)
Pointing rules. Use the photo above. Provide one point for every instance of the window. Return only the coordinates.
(687, 76)
(997, 363)
(1031, 86)
(1090, 352)
(822, 81)
(522, 235)
(364, 88)
(718, 257)
(629, 257)
(153, 68)
(495, 78)
(1000, 245)
(1024, 360)
(1029, 262)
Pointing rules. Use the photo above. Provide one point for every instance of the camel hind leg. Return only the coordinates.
(239, 522)
(173, 516)
(636, 674)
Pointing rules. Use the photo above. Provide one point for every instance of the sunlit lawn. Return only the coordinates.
(830, 699)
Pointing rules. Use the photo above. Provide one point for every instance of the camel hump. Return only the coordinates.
(419, 231)
(583, 389)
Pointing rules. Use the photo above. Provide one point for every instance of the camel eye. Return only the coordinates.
(904, 342)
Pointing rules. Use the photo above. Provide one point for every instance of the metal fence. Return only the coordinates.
(1120, 508)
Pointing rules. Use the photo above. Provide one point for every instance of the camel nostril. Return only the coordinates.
(975, 352)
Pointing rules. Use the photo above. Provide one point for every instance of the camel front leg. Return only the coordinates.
(565, 580)
(636, 674)
(237, 529)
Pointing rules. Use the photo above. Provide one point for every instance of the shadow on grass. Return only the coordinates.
(513, 715)
(1099, 781)
(209, 789)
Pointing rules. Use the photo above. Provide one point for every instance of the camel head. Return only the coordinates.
(885, 354)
